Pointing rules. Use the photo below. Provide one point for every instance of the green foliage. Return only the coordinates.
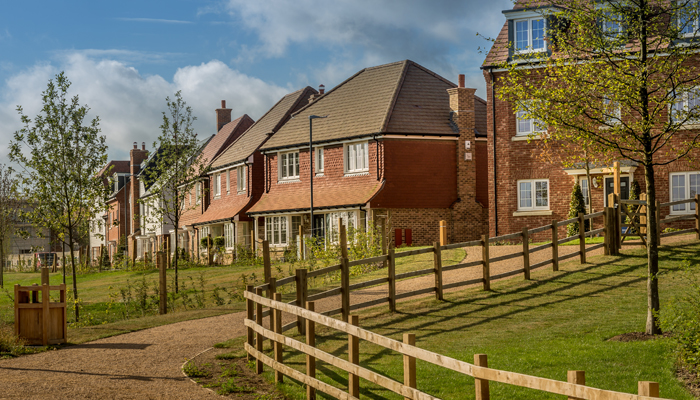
(60, 158)
(635, 191)
(682, 318)
(194, 371)
(576, 206)
(206, 242)
(219, 242)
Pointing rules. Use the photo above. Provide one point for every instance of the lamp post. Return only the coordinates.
(311, 165)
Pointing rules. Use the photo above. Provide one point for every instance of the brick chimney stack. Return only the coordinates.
(321, 91)
(463, 116)
(136, 157)
(223, 116)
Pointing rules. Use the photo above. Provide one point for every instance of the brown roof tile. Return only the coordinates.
(269, 123)
(222, 209)
(224, 137)
(401, 97)
(348, 194)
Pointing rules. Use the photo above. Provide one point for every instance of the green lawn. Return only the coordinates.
(103, 313)
(556, 322)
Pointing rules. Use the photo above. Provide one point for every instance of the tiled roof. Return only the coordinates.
(269, 123)
(223, 209)
(480, 116)
(224, 137)
(119, 167)
(401, 97)
(348, 194)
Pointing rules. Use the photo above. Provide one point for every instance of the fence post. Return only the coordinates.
(271, 295)
(46, 317)
(578, 378)
(162, 277)
(250, 314)
(354, 357)
(485, 261)
(267, 269)
(310, 360)
(647, 388)
(259, 336)
(279, 378)
(618, 222)
(582, 237)
(526, 253)
(302, 294)
(443, 233)
(409, 363)
(102, 251)
(391, 268)
(344, 273)
(44, 275)
(555, 246)
(606, 232)
(437, 268)
(481, 385)
(697, 217)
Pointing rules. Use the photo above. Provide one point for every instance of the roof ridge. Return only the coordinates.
(289, 113)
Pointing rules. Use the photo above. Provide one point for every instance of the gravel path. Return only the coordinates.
(146, 364)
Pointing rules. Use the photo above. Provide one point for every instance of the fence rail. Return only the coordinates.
(480, 371)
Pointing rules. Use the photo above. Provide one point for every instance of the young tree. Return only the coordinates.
(60, 157)
(617, 69)
(9, 205)
(576, 206)
(174, 170)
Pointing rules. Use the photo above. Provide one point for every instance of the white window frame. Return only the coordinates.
(581, 182)
(533, 195)
(241, 176)
(217, 185)
(616, 117)
(198, 192)
(228, 181)
(351, 157)
(319, 161)
(687, 208)
(283, 166)
(608, 33)
(528, 48)
(683, 99)
(694, 25)
(277, 229)
(229, 236)
(533, 123)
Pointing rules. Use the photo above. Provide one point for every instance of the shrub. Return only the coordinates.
(576, 206)
(206, 241)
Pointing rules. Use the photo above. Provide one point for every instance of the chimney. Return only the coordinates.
(321, 91)
(136, 145)
(223, 116)
(461, 80)
(143, 146)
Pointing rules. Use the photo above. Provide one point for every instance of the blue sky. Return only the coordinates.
(125, 57)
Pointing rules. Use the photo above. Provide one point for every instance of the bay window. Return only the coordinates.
(686, 107)
(533, 194)
(276, 230)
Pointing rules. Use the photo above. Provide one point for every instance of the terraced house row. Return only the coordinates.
(397, 145)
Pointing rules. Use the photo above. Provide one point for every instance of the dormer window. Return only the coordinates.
(611, 25)
(529, 35)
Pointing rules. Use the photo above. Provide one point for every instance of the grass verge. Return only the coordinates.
(557, 321)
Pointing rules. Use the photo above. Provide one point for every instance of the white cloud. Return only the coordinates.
(156, 20)
(128, 103)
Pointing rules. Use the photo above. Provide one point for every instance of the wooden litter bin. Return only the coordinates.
(38, 320)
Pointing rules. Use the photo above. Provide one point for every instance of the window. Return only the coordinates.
(356, 158)
(276, 230)
(529, 35)
(533, 194)
(332, 226)
(289, 166)
(611, 25)
(217, 184)
(688, 21)
(686, 107)
(612, 113)
(684, 185)
(241, 181)
(228, 181)
(528, 126)
(319, 160)
(584, 190)
(296, 223)
(198, 193)
(228, 235)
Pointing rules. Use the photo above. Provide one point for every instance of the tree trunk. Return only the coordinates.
(2, 264)
(63, 261)
(652, 327)
(75, 283)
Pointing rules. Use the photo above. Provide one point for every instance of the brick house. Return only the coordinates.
(236, 177)
(197, 202)
(529, 192)
(117, 174)
(399, 143)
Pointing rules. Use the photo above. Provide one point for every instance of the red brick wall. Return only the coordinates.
(482, 168)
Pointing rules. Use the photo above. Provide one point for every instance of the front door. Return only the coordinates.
(319, 228)
(624, 188)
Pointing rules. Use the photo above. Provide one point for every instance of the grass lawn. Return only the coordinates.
(103, 313)
(557, 321)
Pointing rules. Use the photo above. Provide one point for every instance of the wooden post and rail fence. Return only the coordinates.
(306, 318)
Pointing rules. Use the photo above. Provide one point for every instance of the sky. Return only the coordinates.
(125, 57)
